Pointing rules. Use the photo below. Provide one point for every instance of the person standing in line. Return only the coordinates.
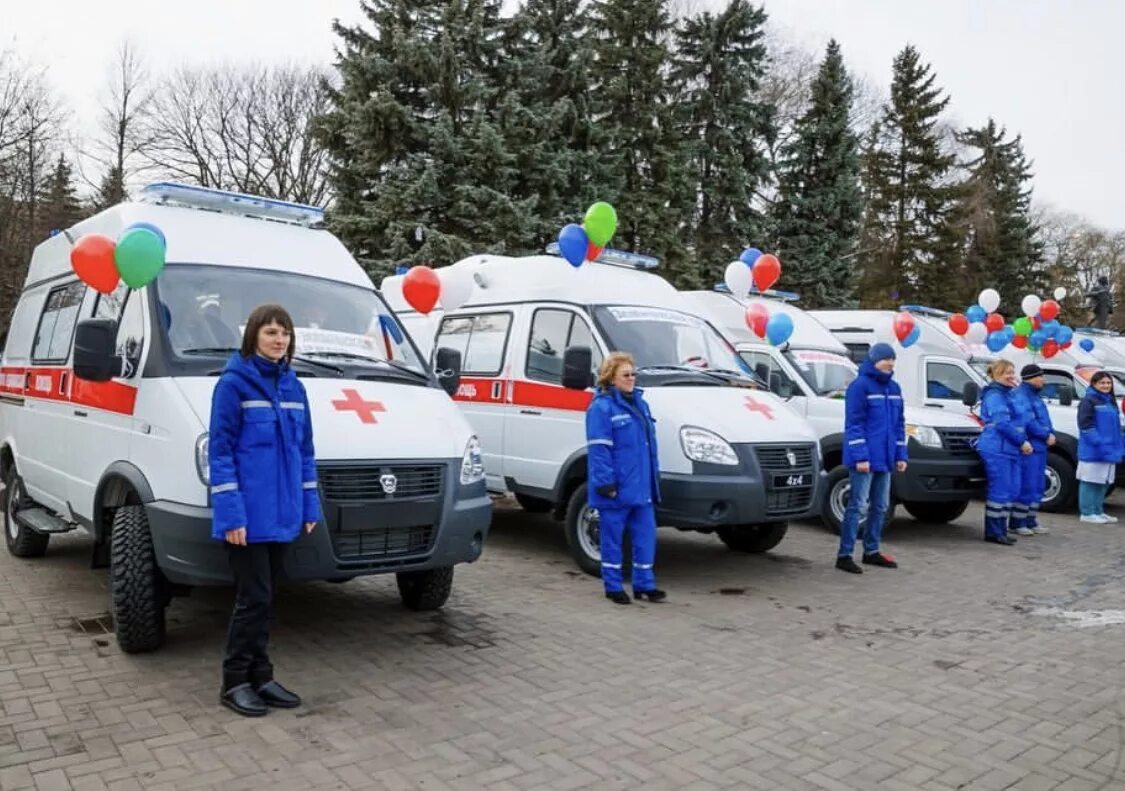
(875, 437)
(1002, 441)
(623, 477)
(1028, 400)
(263, 492)
(1100, 448)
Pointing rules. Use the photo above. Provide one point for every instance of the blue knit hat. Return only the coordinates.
(881, 351)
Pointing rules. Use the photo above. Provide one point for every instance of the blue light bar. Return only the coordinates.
(173, 194)
(783, 296)
(618, 258)
(923, 310)
(1097, 331)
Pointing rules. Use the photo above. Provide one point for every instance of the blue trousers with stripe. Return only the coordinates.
(640, 521)
(1003, 488)
(1033, 480)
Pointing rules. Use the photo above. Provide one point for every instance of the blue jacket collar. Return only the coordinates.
(1099, 397)
(258, 372)
(867, 368)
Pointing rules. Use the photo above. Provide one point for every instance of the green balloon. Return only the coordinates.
(1022, 325)
(601, 223)
(139, 256)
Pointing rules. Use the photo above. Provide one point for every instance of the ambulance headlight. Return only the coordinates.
(705, 446)
(472, 463)
(923, 435)
(202, 459)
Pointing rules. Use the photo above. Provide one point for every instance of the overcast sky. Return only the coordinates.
(1053, 71)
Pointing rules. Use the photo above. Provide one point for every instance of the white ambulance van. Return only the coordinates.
(735, 460)
(812, 371)
(106, 400)
(1109, 349)
(942, 370)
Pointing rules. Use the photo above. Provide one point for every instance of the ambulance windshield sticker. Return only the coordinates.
(807, 357)
(622, 313)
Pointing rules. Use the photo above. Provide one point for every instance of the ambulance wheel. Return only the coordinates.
(534, 505)
(583, 534)
(23, 542)
(753, 538)
(140, 591)
(425, 590)
(940, 513)
(1061, 484)
(835, 502)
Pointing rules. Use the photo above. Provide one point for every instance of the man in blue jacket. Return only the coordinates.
(1028, 400)
(874, 449)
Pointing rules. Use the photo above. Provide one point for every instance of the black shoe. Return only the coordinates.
(655, 595)
(879, 559)
(618, 597)
(847, 564)
(273, 694)
(243, 700)
(1005, 541)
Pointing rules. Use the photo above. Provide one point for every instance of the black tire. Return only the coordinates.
(22, 541)
(534, 505)
(140, 591)
(1064, 485)
(939, 513)
(835, 498)
(425, 590)
(582, 546)
(753, 538)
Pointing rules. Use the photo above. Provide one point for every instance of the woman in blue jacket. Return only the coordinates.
(1100, 448)
(1001, 443)
(623, 477)
(263, 492)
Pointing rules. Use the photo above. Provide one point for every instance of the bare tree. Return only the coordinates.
(1078, 254)
(121, 125)
(248, 129)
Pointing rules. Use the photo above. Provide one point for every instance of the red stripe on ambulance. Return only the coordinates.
(60, 384)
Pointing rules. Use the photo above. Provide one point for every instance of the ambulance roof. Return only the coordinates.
(237, 236)
(728, 313)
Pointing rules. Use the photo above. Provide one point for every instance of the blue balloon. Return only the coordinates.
(573, 244)
(1037, 338)
(1050, 327)
(976, 314)
(148, 227)
(1064, 335)
(401, 270)
(750, 255)
(1087, 344)
(996, 341)
(913, 337)
(779, 328)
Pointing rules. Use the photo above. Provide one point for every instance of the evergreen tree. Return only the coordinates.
(905, 244)
(816, 219)
(719, 64)
(111, 190)
(59, 207)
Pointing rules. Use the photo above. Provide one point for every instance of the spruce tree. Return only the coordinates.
(59, 207)
(719, 64)
(111, 190)
(905, 244)
(816, 218)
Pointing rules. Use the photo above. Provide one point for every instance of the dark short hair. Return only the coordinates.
(1098, 376)
(262, 316)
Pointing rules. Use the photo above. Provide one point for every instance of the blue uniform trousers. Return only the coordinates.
(640, 521)
(1003, 488)
(1033, 480)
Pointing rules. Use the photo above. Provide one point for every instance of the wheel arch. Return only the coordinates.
(121, 484)
(572, 474)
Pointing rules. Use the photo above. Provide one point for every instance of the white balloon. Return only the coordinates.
(977, 332)
(1031, 305)
(1060, 293)
(456, 287)
(989, 299)
(738, 278)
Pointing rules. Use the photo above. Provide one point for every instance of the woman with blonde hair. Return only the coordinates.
(623, 477)
(1001, 442)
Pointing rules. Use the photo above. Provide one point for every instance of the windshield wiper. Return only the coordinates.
(396, 364)
(211, 350)
(299, 358)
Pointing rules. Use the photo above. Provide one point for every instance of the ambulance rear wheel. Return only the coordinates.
(139, 590)
(23, 542)
(1061, 485)
(425, 590)
(534, 505)
(941, 513)
(753, 538)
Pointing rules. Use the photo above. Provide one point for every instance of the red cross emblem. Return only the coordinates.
(754, 406)
(353, 402)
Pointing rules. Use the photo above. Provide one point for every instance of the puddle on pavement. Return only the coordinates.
(1083, 619)
(789, 559)
(456, 629)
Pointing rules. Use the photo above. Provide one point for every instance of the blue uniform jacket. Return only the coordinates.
(874, 426)
(1033, 414)
(263, 468)
(1099, 428)
(1004, 428)
(621, 448)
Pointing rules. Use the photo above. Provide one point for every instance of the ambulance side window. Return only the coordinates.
(770, 371)
(131, 335)
(580, 335)
(109, 305)
(945, 382)
(482, 341)
(56, 325)
(554, 331)
(1053, 382)
(858, 351)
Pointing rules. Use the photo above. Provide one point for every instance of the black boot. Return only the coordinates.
(845, 563)
(655, 595)
(244, 700)
(273, 694)
(618, 597)
(879, 559)
(1006, 541)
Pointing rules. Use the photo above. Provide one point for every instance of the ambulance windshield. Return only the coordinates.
(204, 309)
(827, 373)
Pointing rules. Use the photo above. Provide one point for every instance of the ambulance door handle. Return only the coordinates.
(530, 412)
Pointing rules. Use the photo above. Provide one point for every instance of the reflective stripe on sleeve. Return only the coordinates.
(256, 405)
(224, 487)
(606, 442)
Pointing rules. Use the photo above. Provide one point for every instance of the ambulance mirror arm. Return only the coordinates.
(95, 346)
(577, 362)
(447, 368)
(970, 394)
(1066, 396)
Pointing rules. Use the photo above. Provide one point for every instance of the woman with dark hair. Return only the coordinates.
(1100, 448)
(263, 492)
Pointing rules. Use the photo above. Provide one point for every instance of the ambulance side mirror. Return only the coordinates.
(970, 394)
(95, 346)
(577, 362)
(1066, 395)
(447, 368)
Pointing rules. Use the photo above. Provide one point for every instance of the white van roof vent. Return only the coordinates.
(617, 258)
(170, 193)
(769, 293)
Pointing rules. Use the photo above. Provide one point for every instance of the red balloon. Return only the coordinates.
(1035, 322)
(994, 322)
(903, 325)
(593, 251)
(767, 270)
(958, 324)
(92, 260)
(421, 288)
(1066, 345)
(757, 316)
(1020, 341)
(1049, 310)
(1050, 348)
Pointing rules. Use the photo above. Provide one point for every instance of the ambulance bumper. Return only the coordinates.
(934, 475)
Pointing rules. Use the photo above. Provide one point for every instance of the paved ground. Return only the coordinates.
(969, 668)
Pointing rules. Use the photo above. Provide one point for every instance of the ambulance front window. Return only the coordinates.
(658, 337)
(827, 373)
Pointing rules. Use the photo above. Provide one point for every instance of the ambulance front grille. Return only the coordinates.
(786, 461)
(344, 484)
(384, 543)
(960, 442)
